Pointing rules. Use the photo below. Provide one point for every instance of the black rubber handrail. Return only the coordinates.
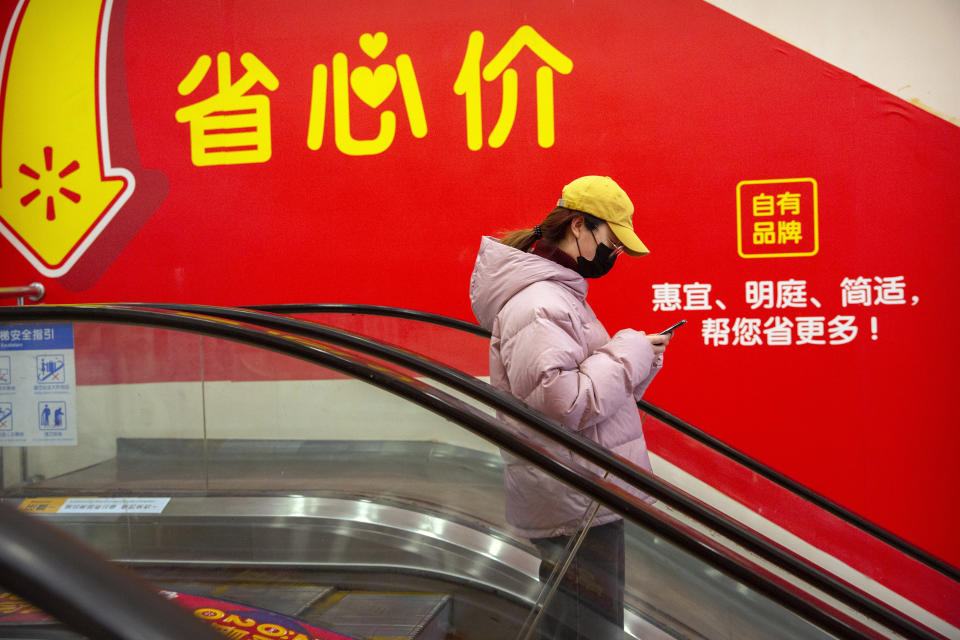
(754, 465)
(699, 545)
(587, 448)
(851, 518)
(70, 581)
(375, 310)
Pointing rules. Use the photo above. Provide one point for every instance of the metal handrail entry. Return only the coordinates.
(35, 291)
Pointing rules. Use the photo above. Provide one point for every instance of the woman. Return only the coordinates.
(549, 350)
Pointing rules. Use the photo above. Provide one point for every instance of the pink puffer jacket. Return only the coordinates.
(549, 350)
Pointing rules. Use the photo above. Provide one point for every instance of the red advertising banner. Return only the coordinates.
(800, 219)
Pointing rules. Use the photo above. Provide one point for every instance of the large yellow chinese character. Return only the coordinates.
(788, 203)
(763, 233)
(763, 205)
(789, 231)
(373, 87)
(468, 84)
(229, 127)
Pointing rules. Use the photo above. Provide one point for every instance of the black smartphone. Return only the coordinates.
(673, 327)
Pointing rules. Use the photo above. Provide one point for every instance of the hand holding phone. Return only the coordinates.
(669, 330)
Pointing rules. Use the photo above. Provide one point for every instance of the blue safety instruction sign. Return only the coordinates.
(38, 403)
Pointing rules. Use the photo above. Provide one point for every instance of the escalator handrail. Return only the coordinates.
(70, 581)
(374, 310)
(927, 559)
(186, 317)
(916, 553)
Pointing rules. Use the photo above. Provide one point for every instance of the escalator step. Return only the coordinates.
(389, 616)
(288, 599)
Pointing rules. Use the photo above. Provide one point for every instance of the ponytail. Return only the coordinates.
(552, 229)
(523, 239)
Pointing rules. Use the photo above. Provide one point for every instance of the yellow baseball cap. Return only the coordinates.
(603, 198)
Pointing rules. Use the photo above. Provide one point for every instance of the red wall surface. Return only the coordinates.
(800, 219)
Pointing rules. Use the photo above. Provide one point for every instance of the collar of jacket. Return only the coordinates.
(550, 251)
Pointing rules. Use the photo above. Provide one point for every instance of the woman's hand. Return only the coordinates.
(659, 342)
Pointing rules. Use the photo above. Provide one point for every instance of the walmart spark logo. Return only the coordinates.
(72, 196)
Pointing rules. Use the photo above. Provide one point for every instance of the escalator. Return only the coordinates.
(254, 459)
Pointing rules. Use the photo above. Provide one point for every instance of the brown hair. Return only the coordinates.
(553, 227)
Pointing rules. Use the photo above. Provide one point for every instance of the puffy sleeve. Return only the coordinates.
(547, 365)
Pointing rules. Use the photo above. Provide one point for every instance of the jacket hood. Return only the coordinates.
(502, 271)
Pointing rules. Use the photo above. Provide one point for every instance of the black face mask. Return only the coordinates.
(600, 265)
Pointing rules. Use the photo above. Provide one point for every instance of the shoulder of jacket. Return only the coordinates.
(546, 296)
(547, 300)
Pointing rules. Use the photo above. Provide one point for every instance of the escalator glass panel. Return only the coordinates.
(222, 470)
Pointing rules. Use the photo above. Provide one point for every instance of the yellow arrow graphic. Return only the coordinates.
(57, 187)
